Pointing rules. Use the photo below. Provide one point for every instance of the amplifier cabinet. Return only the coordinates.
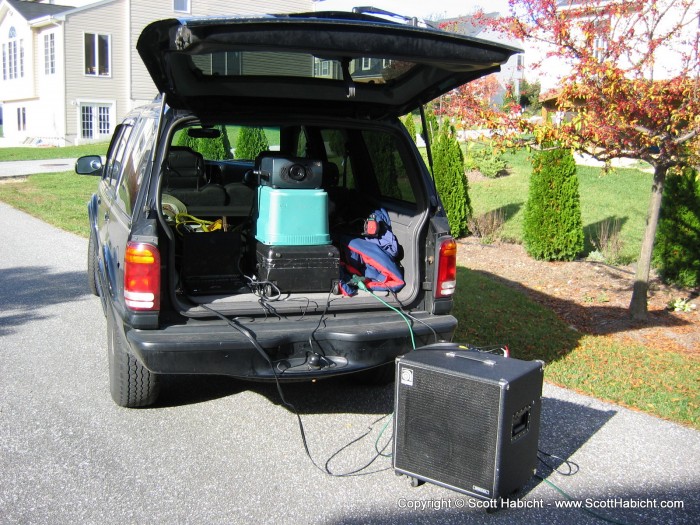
(466, 420)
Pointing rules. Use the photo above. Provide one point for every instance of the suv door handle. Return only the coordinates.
(106, 215)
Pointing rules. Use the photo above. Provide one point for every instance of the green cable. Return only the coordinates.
(381, 432)
(362, 286)
(589, 511)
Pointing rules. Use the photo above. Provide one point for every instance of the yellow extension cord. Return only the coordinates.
(207, 226)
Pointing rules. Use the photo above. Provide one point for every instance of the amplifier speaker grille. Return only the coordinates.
(464, 426)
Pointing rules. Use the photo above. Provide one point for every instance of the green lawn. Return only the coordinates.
(490, 312)
(57, 198)
(69, 152)
(622, 194)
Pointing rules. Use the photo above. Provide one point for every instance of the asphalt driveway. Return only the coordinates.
(216, 450)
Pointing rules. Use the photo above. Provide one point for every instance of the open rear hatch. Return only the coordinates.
(337, 63)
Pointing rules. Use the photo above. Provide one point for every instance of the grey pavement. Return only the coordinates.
(22, 168)
(215, 450)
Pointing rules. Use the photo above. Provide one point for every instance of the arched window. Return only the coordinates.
(12, 56)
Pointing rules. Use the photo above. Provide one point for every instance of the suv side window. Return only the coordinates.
(135, 162)
(115, 154)
(335, 142)
(388, 166)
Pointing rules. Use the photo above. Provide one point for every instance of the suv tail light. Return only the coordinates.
(447, 268)
(142, 276)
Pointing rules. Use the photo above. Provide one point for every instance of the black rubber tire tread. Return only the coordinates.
(92, 266)
(130, 383)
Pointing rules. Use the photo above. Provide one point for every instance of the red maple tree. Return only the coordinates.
(631, 87)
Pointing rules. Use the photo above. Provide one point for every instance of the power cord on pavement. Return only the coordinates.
(573, 468)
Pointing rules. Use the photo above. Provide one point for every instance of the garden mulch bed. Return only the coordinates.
(592, 297)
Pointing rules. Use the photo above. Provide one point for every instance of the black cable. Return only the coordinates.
(401, 307)
(358, 471)
(233, 323)
(573, 467)
(318, 325)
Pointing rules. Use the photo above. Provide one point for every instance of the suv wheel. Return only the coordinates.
(130, 383)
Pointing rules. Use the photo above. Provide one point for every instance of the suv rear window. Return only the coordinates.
(375, 70)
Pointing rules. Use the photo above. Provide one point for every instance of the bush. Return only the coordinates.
(488, 226)
(410, 126)
(487, 160)
(183, 139)
(552, 227)
(250, 142)
(452, 185)
(383, 152)
(608, 241)
(432, 124)
(677, 249)
(218, 148)
(226, 143)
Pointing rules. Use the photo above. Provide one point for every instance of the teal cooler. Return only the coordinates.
(293, 249)
(292, 217)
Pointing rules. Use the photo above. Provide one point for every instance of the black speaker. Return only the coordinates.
(467, 420)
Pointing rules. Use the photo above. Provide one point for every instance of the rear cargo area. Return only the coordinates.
(287, 234)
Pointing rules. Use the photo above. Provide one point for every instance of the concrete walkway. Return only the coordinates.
(22, 168)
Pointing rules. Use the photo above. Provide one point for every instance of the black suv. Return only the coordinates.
(328, 253)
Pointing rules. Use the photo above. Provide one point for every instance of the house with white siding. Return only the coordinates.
(71, 72)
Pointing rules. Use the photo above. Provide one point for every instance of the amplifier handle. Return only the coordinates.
(488, 362)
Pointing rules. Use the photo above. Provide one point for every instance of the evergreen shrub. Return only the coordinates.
(250, 142)
(451, 182)
(552, 227)
(410, 126)
(677, 248)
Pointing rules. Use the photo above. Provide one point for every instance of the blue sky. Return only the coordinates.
(424, 9)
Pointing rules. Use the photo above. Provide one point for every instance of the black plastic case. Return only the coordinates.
(298, 268)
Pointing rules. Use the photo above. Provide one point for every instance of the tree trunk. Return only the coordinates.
(638, 304)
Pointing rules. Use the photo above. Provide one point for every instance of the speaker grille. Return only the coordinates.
(449, 428)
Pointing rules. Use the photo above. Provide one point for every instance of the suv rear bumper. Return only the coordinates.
(344, 345)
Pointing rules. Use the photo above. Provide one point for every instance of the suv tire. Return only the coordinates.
(130, 383)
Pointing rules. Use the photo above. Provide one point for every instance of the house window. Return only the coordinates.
(86, 122)
(21, 119)
(323, 68)
(601, 39)
(103, 120)
(366, 63)
(21, 58)
(181, 6)
(13, 57)
(97, 49)
(95, 121)
(600, 47)
(49, 54)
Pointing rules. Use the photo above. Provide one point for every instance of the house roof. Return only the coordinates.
(465, 25)
(32, 10)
